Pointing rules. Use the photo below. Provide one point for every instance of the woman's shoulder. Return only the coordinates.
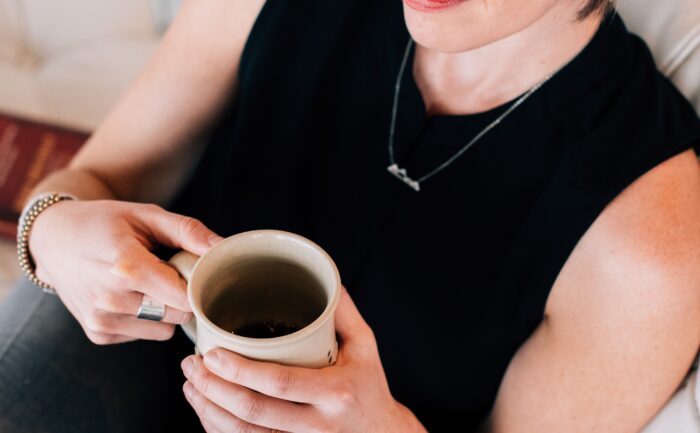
(643, 247)
(626, 137)
(622, 322)
(639, 119)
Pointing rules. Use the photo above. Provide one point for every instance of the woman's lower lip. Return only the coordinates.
(431, 5)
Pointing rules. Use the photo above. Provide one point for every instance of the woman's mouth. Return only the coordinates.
(431, 5)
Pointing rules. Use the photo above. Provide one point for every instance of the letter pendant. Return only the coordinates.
(401, 174)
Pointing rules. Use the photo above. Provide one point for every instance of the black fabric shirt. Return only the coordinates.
(452, 279)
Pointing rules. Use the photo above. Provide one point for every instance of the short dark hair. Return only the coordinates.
(593, 6)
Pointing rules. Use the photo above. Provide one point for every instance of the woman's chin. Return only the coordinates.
(446, 30)
(461, 25)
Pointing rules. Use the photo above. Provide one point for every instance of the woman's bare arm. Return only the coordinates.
(623, 319)
(97, 253)
(150, 141)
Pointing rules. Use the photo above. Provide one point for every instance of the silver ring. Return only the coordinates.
(150, 309)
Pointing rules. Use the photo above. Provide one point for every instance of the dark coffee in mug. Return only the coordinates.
(267, 298)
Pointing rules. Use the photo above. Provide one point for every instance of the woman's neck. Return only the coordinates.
(487, 77)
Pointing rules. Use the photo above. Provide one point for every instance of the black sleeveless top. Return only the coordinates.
(454, 278)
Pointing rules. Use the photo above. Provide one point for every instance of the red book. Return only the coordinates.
(29, 151)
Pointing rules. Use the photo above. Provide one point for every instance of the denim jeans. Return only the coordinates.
(54, 380)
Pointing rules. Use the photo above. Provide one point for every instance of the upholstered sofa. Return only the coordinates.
(66, 62)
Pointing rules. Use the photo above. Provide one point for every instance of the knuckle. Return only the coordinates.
(345, 395)
(199, 404)
(213, 415)
(98, 339)
(369, 335)
(166, 333)
(151, 207)
(180, 317)
(144, 209)
(107, 301)
(252, 407)
(242, 427)
(233, 370)
(367, 338)
(370, 353)
(125, 267)
(283, 382)
(188, 225)
(202, 380)
(98, 323)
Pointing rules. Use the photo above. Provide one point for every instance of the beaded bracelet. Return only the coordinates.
(26, 221)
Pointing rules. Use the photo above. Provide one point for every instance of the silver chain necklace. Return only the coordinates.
(401, 173)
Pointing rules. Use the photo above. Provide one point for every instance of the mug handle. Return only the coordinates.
(184, 262)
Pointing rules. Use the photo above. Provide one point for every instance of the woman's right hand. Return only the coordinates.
(97, 254)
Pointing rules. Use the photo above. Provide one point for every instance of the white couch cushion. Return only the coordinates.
(77, 89)
(671, 28)
(687, 78)
(53, 25)
(80, 87)
(9, 34)
(66, 62)
(20, 93)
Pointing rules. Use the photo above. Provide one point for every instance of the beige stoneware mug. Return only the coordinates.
(254, 259)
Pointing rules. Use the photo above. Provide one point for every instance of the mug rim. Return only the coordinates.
(312, 327)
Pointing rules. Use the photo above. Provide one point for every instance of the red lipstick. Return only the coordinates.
(431, 5)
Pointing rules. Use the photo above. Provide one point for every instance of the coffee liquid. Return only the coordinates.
(267, 298)
(266, 329)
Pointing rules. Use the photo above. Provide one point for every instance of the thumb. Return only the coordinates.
(349, 323)
(177, 231)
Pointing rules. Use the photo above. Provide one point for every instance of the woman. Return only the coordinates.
(513, 203)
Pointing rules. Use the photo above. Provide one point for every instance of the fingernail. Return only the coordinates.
(187, 389)
(214, 239)
(187, 366)
(211, 359)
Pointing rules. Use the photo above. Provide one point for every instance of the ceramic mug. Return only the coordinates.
(246, 257)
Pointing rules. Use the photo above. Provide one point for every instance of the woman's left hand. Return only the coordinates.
(233, 394)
